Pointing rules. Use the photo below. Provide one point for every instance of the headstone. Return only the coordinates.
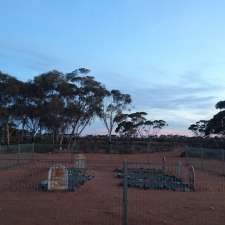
(57, 178)
(80, 162)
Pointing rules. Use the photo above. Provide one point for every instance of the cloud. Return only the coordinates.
(173, 97)
(189, 98)
(29, 57)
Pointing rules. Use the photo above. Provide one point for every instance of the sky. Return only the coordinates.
(169, 55)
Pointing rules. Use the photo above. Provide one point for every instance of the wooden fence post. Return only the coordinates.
(125, 194)
(192, 181)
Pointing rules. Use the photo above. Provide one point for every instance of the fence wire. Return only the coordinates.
(147, 190)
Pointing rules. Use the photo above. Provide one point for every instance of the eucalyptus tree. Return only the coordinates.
(132, 124)
(85, 101)
(158, 125)
(199, 128)
(216, 125)
(47, 103)
(137, 125)
(113, 105)
(9, 92)
(66, 103)
(220, 105)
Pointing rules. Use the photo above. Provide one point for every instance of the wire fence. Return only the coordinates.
(103, 189)
(91, 145)
(170, 193)
(206, 159)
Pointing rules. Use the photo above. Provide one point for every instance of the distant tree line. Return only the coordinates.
(213, 126)
(63, 105)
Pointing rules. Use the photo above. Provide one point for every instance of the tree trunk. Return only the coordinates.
(53, 138)
(22, 136)
(7, 134)
(61, 140)
(75, 142)
(110, 137)
(70, 138)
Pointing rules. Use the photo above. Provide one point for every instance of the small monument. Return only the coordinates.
(80, 162)
(57, 178)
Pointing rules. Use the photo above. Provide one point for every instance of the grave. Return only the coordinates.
(80, 162)
(155, 179)
(61, 178)
(57, 178)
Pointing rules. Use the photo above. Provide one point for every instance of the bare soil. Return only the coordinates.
(99, 201)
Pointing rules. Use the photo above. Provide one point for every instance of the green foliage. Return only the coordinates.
(52, 102)
(137, 125)
(199, 128)
(61, 105)
(220, 105)
(215, 125)
(112, 109)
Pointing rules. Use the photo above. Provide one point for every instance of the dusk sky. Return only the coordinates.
(168, 54)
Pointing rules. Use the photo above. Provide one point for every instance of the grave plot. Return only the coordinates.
(151, 178)
(44, 174)
(62, 178)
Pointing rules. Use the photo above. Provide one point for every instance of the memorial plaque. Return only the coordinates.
(57, 178)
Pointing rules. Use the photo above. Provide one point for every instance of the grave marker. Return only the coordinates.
(57, 178)
(80, 162)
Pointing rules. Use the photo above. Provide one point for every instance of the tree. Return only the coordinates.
(158, 125)
(72, 101)
(47, 99)
(85, 101)
(9, 92)
(220, 105)
(216, 125)
(137, 125)
(113, 106)
(138, 119)
(199, 128)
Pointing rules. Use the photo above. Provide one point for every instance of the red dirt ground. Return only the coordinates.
(99, 201)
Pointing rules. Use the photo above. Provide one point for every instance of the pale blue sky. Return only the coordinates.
(168, 54)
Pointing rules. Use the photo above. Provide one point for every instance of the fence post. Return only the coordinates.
(125, 197)
(192, 181)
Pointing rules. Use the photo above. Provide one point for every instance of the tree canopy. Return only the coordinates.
(63, 105)
(215, 125)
